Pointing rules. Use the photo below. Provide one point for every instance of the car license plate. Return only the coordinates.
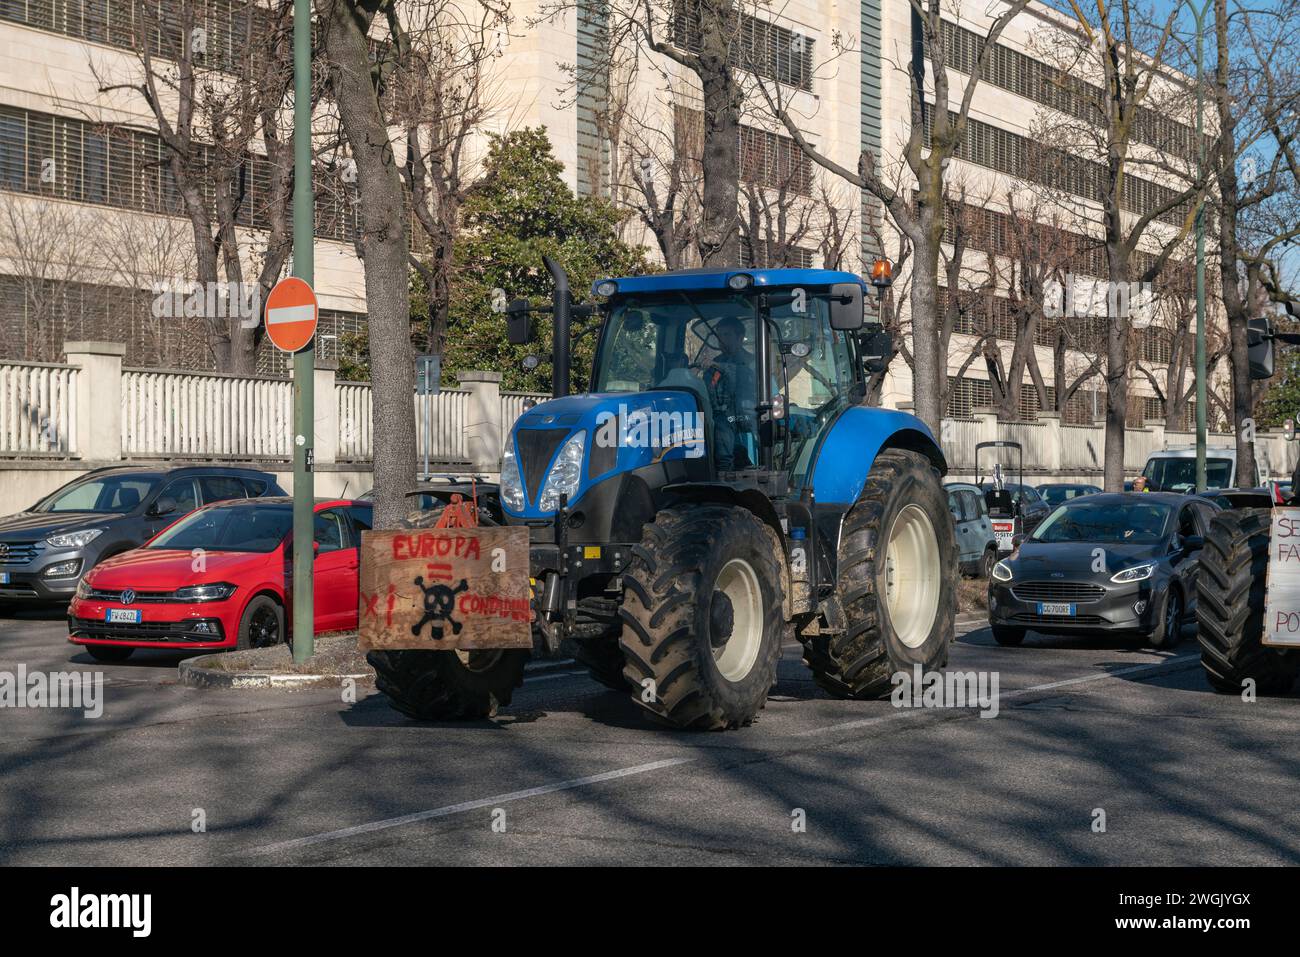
(126, 616)
(1055, 608)
(4, 578)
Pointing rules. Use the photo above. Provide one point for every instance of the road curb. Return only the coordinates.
(195, 674)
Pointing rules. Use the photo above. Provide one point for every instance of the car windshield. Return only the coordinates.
(231, 528)
(111, 494)
(1179, 475)
(1059, 494)
(1117, 522)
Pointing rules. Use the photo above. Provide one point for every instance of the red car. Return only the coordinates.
(219, 578)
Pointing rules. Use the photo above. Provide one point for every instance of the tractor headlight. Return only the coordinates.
(1137, 573)
(512, 487)
(606, 288)
(563, 477)
(740, 281)
(1002, 572)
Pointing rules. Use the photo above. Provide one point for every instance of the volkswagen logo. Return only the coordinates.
(127, 596)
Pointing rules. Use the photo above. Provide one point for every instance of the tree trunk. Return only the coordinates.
(720, 226)
(1116, 379)
(383, 248)
(929, 378)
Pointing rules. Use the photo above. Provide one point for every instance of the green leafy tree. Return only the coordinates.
(520, 210)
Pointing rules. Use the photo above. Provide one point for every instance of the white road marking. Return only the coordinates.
(473, 805)
(604, 776)
(1019, 693)
(552, 675)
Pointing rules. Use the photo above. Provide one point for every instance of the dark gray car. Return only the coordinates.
(1122, 562)
(46, 549)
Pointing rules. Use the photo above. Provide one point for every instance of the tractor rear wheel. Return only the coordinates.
(897, 582)
(702, 617)
(1230, 607)
(448, 685)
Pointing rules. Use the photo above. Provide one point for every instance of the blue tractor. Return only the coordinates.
(722, 488)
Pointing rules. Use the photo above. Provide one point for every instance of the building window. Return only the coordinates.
(759, 46)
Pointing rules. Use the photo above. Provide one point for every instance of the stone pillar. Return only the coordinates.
(484, 437)
(99, 398)
(326, 406)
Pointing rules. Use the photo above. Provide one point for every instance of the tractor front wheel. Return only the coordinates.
(702, 617)
(897, 575)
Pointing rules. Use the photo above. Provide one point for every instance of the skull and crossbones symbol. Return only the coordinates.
(439, 603)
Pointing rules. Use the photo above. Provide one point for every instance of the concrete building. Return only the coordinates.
(844, 67)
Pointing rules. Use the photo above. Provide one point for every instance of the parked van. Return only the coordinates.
(1174, 470)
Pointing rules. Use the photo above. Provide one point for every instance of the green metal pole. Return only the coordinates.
(304, 361)
(1200, 254)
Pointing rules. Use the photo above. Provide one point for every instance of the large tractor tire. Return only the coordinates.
(447, 685)
(702, 617)
(897, 582)
(1230, 607)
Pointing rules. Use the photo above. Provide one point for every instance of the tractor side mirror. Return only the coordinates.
(518, 329)
(1193, 543)
(1261, 348)
(846, 306)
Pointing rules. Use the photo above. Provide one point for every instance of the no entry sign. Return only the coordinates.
(291, 314)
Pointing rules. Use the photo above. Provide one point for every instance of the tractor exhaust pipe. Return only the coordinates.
(562, 311)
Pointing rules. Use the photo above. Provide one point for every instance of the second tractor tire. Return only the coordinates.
(1230, 607)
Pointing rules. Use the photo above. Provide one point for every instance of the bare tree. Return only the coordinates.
(147, 257)
(705, 38)
(1256, 91)
(1102, 145)
(51, 254)
(443, 95)
(212, 97)
(937, 132)
(356, 89)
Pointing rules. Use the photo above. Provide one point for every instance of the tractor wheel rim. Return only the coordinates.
(912, 573)
(738, 581)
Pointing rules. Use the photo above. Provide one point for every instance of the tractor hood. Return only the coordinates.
(620, 431)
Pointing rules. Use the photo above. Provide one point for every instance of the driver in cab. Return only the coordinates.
(729, 379)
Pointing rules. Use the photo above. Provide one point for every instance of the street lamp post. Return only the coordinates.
(1200, 244)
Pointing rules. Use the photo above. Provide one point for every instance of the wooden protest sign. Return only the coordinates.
(443, 589)
(1282, 602)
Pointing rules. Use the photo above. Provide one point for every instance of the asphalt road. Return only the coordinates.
(573, 774)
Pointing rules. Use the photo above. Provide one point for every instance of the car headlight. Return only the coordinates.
(1137, 573)
(74, 539)
(564, 475)
(512, 487)
(1002, 572)
(83, 589)
(216, 592)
